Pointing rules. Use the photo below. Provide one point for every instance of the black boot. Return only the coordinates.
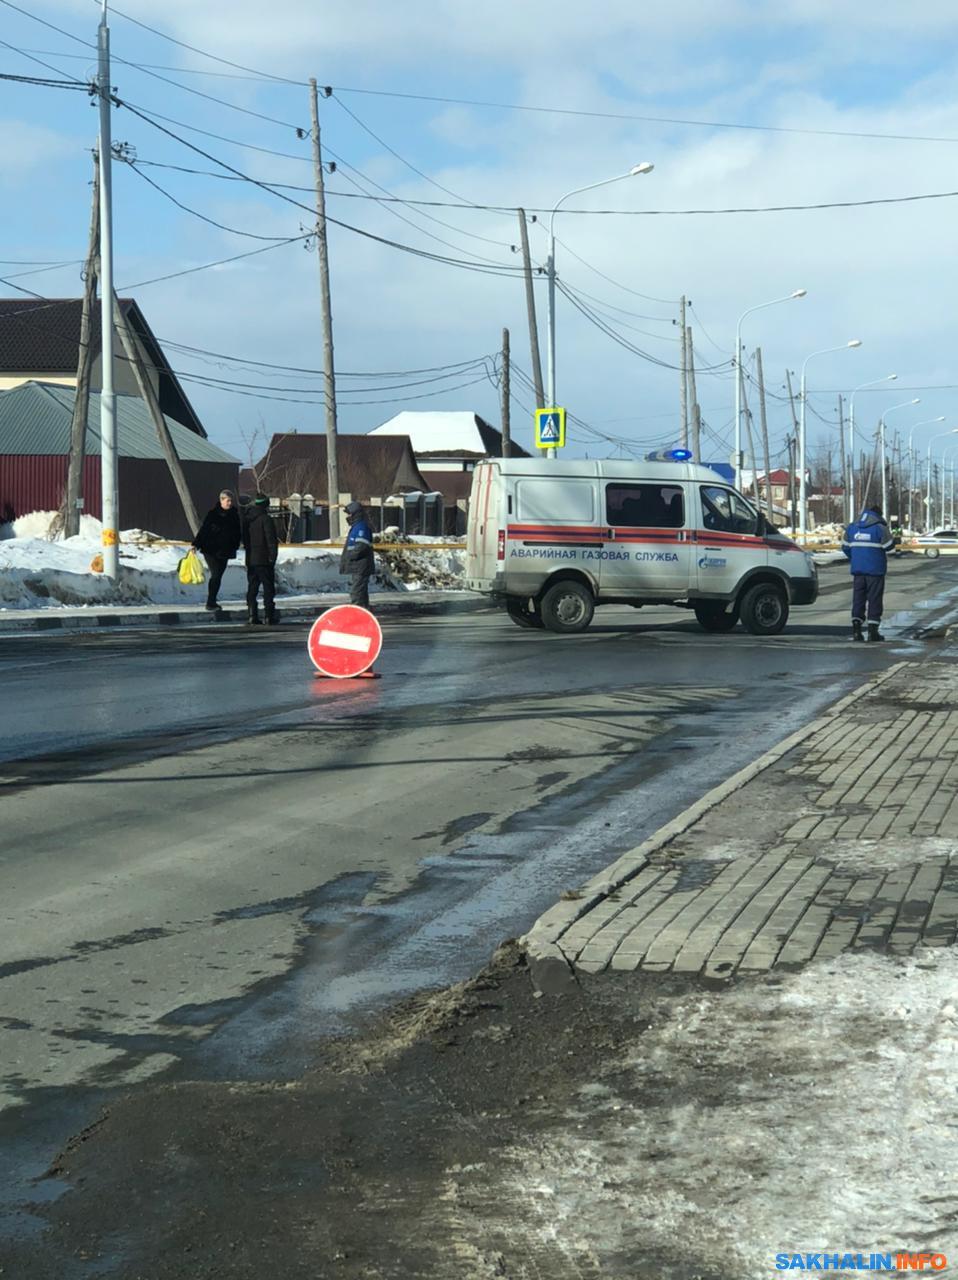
(873, 632)
(253, 618)
(857, 630)
(273, 619)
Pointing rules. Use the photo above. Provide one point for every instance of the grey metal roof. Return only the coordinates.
(35, 419)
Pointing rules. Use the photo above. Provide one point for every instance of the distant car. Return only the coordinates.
(942, 540)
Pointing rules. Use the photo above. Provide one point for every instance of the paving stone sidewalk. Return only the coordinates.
(848, 840)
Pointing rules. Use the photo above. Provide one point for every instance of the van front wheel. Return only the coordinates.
(567, 607)
(764, 609)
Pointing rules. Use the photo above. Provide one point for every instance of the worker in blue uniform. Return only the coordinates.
(866, 544)
(358, 559)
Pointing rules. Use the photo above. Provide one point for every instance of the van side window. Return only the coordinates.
(645, 506)
(724, 511)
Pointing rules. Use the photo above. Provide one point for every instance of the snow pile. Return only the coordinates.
(37, 573)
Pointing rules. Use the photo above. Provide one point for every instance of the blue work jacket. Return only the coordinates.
(867, 543)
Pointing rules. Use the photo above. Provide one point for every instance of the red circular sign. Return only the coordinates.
(344, 641)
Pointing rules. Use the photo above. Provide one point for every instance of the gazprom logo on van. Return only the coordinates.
(712, 562)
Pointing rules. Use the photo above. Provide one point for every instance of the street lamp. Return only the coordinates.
(911, 465)
(644, 167)
(803, 494)
(931, 523)
(737, 460)
(889, 377)
(881, 447)
(949, 449)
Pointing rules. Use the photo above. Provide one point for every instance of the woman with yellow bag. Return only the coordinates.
(219, 538)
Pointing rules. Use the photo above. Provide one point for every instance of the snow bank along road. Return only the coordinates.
(211, 861)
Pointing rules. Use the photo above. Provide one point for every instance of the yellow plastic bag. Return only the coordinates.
(190, 570)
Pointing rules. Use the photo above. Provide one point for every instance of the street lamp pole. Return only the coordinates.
(644, 167)
(931, 524)
(737, 460)
(912, 469)
(802, 438)
(889, 377)
(881, 441)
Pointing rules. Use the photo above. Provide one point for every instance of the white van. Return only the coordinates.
(553, 539)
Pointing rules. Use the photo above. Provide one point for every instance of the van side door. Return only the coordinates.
(649, 554)
(728, 544)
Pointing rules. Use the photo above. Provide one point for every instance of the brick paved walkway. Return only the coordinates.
(850, 840)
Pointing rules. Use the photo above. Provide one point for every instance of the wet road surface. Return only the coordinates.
(211, 861)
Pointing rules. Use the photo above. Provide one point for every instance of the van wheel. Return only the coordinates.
(520, 613)
(712, 615)
(567, 607)
(764, 609)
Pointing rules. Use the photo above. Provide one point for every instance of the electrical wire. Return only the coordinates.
(221, 226)
(220, 262)
(669, 302)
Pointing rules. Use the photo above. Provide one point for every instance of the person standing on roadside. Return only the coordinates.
(219, 538)
(866, 545)
(262, 548)
(358, 559)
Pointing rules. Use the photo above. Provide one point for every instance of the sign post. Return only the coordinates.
(344, 642)
(550, 428)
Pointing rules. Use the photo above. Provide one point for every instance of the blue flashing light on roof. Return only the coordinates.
(669, 455)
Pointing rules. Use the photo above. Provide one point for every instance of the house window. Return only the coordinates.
(645, 506)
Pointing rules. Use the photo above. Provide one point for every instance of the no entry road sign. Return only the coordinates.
(344, 642)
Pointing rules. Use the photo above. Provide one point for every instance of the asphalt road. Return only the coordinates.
(211, 861)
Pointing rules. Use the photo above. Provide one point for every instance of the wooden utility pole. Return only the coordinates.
(329, 373)
(153, 405)
(531, 309)
(693, 397)
(506, 418)
(749, 440)
(69, 516)
(764, 420)
(683, 378)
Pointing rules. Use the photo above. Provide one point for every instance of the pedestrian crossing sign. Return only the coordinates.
(550, 428)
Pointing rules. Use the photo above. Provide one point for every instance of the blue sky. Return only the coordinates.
(885, 274)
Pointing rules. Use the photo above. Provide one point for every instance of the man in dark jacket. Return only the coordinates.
(219, 539)
(358, 559)
(262, 548)
(866, 544)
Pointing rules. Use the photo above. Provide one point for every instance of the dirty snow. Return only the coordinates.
(36, 572)
(815, 1112)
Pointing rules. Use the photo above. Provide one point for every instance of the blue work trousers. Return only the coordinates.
(868, 594)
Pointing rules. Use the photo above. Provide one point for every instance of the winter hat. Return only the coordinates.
(261, 500)
(353, 508)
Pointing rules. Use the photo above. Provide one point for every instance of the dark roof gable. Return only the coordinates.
(43, 337)
(369, 466)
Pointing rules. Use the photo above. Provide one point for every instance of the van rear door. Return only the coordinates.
(482, 531)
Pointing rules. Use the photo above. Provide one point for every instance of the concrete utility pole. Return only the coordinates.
(531, 309)
(506, 393)
(159, 422)
(110, 508)
(683, 379)
(70, 511)
(764, 419)
(792, 501)
(329, 373)
(841, 443)
(693, 397)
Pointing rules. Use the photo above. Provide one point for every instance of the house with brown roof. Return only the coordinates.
(40, 342)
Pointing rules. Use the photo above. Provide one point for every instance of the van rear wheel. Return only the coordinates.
(764, 609)
(520, 613)
(567, 607)
(714, 615)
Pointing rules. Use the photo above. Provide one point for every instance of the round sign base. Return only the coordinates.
(344, 642)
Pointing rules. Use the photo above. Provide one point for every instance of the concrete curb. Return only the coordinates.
(548, 964)
(291, 612)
